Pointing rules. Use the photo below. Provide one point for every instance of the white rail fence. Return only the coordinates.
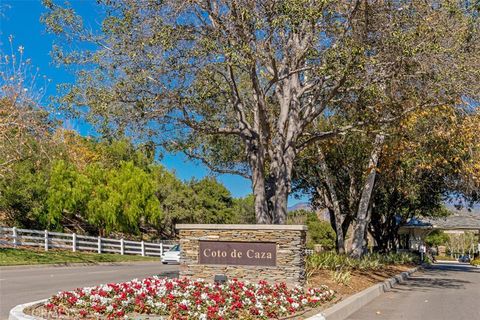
(49, 240)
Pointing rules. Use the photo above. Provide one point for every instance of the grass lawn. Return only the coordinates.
(446, 258)
(11, 257)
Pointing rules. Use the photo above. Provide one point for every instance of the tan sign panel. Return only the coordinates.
(238, 253)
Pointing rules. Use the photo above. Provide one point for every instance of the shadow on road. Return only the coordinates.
(437, 276)
(419, 283)
(450, 267)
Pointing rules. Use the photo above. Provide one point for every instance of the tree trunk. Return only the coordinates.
(338, 218)
(358, 245)
(339, 233)
(281, 202)
(283, 175)
(262, 215)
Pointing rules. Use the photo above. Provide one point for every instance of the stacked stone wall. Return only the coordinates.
(290, 257)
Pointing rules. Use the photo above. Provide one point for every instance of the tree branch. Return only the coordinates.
(329, 134)
(214, 168)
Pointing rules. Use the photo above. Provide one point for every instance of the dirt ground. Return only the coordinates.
(360, 280)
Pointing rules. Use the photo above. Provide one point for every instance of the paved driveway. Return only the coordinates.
(449, 291)
(25, 284)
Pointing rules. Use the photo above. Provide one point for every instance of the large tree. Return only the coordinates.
(426, 159)
(237, 84)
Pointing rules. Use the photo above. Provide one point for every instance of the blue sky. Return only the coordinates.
(20, 18)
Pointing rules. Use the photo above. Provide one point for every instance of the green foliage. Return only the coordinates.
(68, 193)
(339, 262)
(213, 203)
(436, 238)
(124, 200)
(319, 232)
(475, 262)
(109, 187)
(115, 199)
(176, 200)
(342, 277)
(23, 194)
(245, 209)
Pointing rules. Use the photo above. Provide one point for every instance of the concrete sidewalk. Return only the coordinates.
(449, 291)
(26, 284)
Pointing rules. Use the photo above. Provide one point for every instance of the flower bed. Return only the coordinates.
(186, 299)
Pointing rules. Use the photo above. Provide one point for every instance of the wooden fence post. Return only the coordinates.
(46, 240)
(99, 245)
(122, 247)
(161, 249)
(74, 242)
(14, 236)
(143, 248)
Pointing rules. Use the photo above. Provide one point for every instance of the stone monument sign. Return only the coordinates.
(275, 253)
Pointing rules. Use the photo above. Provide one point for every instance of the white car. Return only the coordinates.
(172, 255)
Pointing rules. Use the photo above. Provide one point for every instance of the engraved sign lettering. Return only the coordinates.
(238, 253)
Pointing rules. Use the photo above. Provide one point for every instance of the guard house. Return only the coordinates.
(416, 229)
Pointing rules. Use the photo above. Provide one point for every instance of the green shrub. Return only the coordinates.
(436, 238)
(475, 262)
(342, 277)
(319, 232)
(342, 263)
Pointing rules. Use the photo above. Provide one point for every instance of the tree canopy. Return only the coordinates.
(370, 108)
(101, 187)
(241, 84)
(425, 161)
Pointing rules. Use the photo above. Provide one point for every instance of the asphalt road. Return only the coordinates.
(26, 284)
(443, 291)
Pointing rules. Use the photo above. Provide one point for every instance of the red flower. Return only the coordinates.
(274, 298)
(72, 300)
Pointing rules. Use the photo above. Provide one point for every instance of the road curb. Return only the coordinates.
(17, 312)
(345, 308)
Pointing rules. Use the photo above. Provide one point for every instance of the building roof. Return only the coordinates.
(459, 219)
